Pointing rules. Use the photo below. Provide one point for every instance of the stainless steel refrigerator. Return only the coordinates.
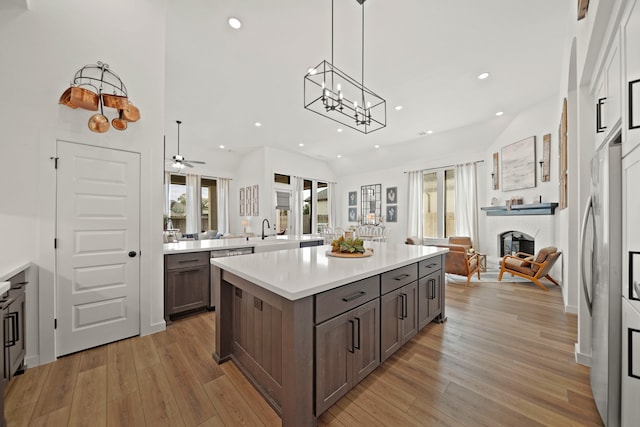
(602, 277)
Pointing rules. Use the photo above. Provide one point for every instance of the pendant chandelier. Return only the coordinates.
(332, 93)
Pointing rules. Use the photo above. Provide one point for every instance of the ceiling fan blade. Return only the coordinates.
(196, 161)
(189, 165)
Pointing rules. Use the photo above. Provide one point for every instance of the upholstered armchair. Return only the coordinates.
(459, 262)
(529, 267)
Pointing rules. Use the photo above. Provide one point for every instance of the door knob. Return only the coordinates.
(132, 254)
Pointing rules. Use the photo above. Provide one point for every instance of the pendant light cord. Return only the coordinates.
(362, 82)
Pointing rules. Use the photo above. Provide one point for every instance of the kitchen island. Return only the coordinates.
(306, 327)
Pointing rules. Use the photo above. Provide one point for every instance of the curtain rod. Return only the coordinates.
(444, 167)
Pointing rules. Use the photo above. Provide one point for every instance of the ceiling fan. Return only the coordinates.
(178, 161)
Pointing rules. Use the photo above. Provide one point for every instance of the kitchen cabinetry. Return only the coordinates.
(430, 291)
(398, 308)
(347, 344)
(630, 365)
(13, 303)
(630, 46)
(347, 350)
(186, 283)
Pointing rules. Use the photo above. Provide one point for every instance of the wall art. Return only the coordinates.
(519, 165)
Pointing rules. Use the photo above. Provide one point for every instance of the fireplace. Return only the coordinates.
(511, 242)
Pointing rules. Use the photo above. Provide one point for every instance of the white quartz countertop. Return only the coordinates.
(270, 242)
(8, 271)
(299, 273)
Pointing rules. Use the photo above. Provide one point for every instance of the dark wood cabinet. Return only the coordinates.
(399, 324)
(429, 298)
(186, 283)
(13, 304)
(347, 350)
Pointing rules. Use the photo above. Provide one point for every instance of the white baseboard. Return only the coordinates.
(155, 327)
(32, 361)
(571, 309)
(581, 358)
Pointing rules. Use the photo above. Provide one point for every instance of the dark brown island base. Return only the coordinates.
(305, 327)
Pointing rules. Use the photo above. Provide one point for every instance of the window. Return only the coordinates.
(322, 210)
(438, 201)
(307, 207)
(209, 205)
(180, 205)
(314, 206)
(178, 202)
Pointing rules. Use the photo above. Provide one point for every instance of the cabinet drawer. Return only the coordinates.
(337, 301)
(429, 265)
(394, 279)
(187, 260)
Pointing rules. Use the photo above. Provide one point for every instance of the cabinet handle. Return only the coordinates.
(405, 311)
(599, 127)
(189, 271)
(354, 296)
(433, 289)
(12, 318)
(188, 260)
(433, 264)
(401, 302)
(359, 332)
(352, 349)
(400, 277)
(630, 336)
(238, 292)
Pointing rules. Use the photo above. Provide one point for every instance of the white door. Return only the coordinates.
(97, 255)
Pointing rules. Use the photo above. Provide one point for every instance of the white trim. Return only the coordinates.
(581, 358)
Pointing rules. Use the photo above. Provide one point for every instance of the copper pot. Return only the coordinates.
(98, 123)
(119, 123)
(65, 99)
(83, 98)
(114, 101)
(130, 113)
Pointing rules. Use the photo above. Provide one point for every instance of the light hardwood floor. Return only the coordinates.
(503, 357)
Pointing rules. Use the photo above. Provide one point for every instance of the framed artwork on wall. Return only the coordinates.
(495, 175)
(392, 213)
(353, 214)
(519, 165)
(353, 198)
(392, 195)
(242, 196)
(255, 200)
(545, 172)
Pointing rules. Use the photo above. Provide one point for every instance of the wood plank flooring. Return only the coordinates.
(504, 357)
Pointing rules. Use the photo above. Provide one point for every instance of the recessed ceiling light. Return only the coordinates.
(222, 146)
(258, 124)
(429, 132)
(301, 145)
(235, 23)
(339, 156)
(483, 76)
(398, 107)
(312, 71)
(499, 113)
(376, 146)
(339, 130)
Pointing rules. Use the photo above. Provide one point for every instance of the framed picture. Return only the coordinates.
(353, 214)
(392, 214)
(255, 200)
(242, 196)
(546, 158)
(247, 201)
(353, 198)
(495, 174)
(392, 195)
(519, 165)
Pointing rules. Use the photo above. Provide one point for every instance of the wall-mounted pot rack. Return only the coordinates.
(94, 86)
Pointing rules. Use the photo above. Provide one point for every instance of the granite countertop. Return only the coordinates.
(269, 243)
(297, 274)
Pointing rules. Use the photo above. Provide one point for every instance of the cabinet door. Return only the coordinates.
(435, 295)
(391, 324)
(366, 356)
(630, 365)
(630, 48)
(335, 346)
(17, 349)
(409, 294)
(423, 301)
(187, 289)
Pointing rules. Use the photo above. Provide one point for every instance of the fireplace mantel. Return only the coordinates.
(533, 209)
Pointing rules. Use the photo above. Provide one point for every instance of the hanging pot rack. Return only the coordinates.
(95, 86)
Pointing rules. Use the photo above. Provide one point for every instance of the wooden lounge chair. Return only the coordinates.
(529, 267)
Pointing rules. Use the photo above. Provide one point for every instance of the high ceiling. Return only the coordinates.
(424, 55)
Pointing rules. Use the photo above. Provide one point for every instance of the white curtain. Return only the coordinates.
(466, 211)
(296, 205)
(223, 204)
(194, 203)
(331, 205)
(415, 218)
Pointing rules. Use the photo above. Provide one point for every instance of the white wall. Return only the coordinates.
(41, 49)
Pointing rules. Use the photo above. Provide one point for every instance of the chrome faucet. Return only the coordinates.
(268, 226)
